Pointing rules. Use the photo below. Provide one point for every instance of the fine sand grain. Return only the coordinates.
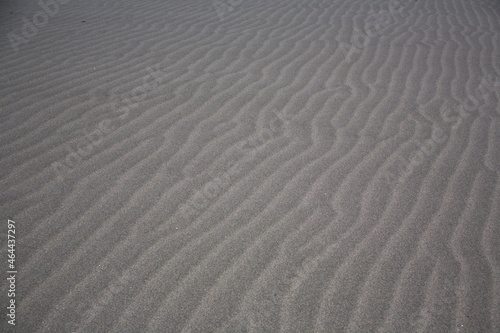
(251, 165)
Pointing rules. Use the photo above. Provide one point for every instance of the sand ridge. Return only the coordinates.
(252, 166)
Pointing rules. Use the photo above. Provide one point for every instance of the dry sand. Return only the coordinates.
(251, 166)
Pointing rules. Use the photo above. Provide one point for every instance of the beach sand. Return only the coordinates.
(251, 166)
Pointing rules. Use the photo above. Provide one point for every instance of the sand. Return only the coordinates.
(251, 166)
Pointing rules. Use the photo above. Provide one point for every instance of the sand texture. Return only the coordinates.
(251, 166)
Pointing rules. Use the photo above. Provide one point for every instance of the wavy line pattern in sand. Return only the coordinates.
(308, 235)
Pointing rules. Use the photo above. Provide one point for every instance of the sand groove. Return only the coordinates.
(255, 166)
